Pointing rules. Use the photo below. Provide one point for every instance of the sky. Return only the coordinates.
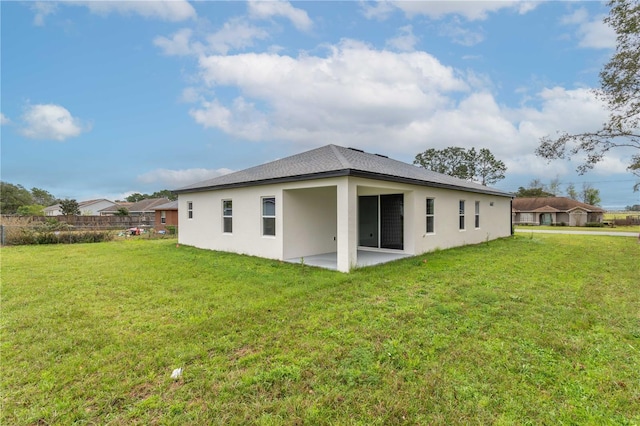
(105, 99)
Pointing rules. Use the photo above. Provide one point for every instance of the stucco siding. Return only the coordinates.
(321, 216)
(310, 221)
(205, 228)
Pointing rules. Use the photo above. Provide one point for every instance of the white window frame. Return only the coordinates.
(431, 215)
(264, 216)
(226, 216)
(477, 216)
(461, 220)
(190, 209)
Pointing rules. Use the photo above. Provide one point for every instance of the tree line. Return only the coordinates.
(18, 200)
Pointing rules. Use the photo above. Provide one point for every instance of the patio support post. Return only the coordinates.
(347, 248)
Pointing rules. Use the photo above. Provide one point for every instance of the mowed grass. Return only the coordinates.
(540, 329)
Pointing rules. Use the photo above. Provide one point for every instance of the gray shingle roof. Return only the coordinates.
(333, 160)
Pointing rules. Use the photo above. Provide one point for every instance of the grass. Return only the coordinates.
(621, 228)
(540, 329)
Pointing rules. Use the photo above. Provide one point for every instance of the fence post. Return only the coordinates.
(1, 235)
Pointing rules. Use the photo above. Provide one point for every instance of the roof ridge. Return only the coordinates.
(343, 161)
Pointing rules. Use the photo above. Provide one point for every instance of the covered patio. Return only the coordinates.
(365, 258)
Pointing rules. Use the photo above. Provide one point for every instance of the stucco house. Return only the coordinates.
(87, 208)
(554, 211)
(339, 208)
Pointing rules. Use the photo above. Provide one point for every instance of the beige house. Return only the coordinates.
(339, 208)
(87, 208)
(554, 211)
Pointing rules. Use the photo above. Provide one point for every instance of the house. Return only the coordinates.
(339, 208)
(166, 215)
(87, 208)
(554, 211)
(144, 207)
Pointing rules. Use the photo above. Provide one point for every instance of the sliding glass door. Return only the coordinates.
(381, 221)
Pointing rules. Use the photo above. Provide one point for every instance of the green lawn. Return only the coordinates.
(534, 329)
(621, 228)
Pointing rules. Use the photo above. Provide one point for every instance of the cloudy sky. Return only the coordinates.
(103, 99)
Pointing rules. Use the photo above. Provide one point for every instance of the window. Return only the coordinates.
(227, 216)
(269, 216)
(163, 216)
(477, 214)
(461, 211)
(190, 209)
(430, 215)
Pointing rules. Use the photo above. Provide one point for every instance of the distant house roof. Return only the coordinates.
(333, 161)
(551, 204)
(142, 206)
(173, 205)
(81, 204)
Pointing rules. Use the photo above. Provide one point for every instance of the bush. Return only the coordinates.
(594, 225)
(51, 232)
(171, 229)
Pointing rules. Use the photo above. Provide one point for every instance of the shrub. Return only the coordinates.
(594, 225)
(50, 232)
(171, 229)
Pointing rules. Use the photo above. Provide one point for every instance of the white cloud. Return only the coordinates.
(470, 10)
(348, 94)
(166, 10)
(42, 9)
(267, 9)
(50, 121)
(390, 102)
(405, 41)
(179, 44)
(235, 34)
(460, 34)
(592, 33)
(179, 178)
(4, 119)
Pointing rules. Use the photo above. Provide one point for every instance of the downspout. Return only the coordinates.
(511, 214)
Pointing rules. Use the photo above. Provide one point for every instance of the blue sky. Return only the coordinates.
(103, 99)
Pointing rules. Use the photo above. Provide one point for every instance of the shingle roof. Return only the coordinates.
(146, 205)
(173, 205)
(331, 161)
(563, 204)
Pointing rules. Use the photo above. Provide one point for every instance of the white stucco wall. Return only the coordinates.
(320, 216)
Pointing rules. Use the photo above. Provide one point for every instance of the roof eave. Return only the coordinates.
(340, 173)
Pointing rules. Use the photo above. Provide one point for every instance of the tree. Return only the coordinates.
(480, 166)
(122, 211)
(42, 197)
(69, 207)
(554, 186)
(13, 197)
(590, 195)
(571, 192)
(165, 193)
(32, 210)
(535, 189)
(136, 196)
(620, 90)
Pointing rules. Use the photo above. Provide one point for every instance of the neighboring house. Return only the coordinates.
(337, 207)
(166, 215)
(144, 208)
(554, 211)
(87, 208)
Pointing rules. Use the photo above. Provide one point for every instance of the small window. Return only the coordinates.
(163, 216)
(269, 216)
(461, 212)
(477, 214)
(190, 209)
(430, 215)
(227, 216)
